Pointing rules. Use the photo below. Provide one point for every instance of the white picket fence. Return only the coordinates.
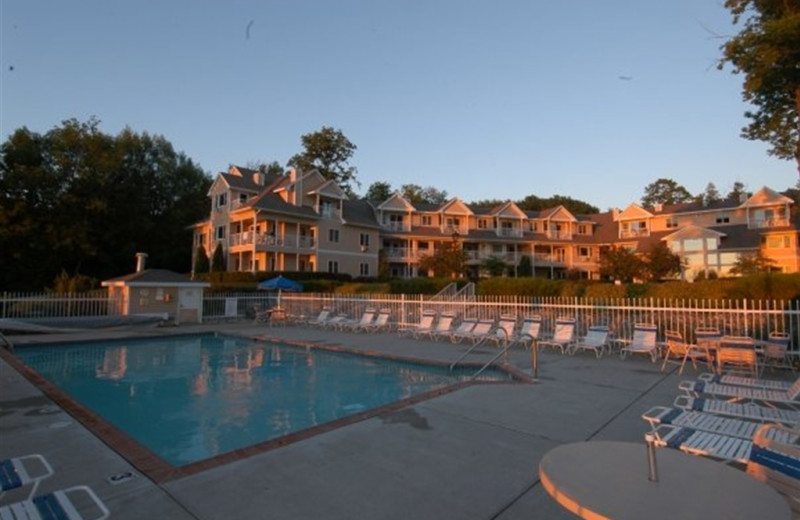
(756, 318)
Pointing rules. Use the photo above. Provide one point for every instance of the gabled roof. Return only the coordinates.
(155, 277)
(766, 197)
(508, 210)
(693, 231)
(330, 189)
(634, 212)
(267, 201)
(396, 202)
(455, 207)
(558, 213)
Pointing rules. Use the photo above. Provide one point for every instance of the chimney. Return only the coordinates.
(259, 178)
(659, 207)
(141, 258)
(743, 197)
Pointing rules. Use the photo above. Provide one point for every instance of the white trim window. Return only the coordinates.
(333, 266)
(333, 235)
(364, 269)
(220, 232)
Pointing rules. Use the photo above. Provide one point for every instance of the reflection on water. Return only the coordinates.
(192, 397)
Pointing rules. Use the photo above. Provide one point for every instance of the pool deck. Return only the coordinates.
(469, 454)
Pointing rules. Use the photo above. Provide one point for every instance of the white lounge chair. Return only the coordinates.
(643, 341)
(352, 325)
(503, 333)
(749, 411)
(425, 325)
(478, 334)
(683, 352)
(563, 336)
(381, 322)
(443, 327)
(596, 339)
(18, 472)
(528, 332)
(61, 505)
(462, 330)
(704, 421)
(765, 396)
(730, 379)
(321, 319)
(776, 464)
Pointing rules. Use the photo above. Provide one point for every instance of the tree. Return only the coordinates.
(79, 200)
(735, 195)
(577, 207)
(711, 194)
(767, 52)
(447, 260)
(665, 191)
(525, 267)
(662, 263)
(494, 265)
(378, 191)
(201, 264)
(429, 195)
(328, 151)
(218, 259)
(620, 263)
(752, 263)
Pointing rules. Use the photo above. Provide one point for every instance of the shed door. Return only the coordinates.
(190, 306)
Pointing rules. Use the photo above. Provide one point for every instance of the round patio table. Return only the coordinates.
(602, 479)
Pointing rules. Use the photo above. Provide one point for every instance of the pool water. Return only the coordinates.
(189, 398)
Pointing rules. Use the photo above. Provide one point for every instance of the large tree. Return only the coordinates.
(378, 191)
(78, 200)
(665, 191)
(767, 52)
(429, 195)
(449, 259)
(661, 262)
(622, 264)
(328, 151)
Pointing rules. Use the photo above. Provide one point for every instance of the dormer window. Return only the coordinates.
(672, 222)
(723, 218)
(427, 220)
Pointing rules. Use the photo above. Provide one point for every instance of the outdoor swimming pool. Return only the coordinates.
(189, 398)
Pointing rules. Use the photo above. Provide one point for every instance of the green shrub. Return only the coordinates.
(519, 287)
(605, 291)
(420, 285)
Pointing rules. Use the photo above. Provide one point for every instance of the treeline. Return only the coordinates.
(80, 202)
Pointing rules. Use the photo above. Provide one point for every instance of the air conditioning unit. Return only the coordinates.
(364, 249)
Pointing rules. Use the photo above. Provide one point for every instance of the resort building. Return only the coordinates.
(302, 222)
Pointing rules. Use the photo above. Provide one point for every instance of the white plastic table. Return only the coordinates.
(600, 479)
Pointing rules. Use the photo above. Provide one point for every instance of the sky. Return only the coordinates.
(482, 99)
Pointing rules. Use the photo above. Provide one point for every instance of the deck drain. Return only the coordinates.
(120, 478)
(59, 424)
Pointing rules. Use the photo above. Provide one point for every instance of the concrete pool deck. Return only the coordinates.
(469, 454)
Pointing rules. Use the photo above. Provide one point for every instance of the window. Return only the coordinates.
(364, 269)
(672, 222)
(221, 233)
(427, 220)
(333, 266)
(222, 200)
(482, 223)
(723, 218)
(584, 252)
(534, 227)
(452, 222)
(711, 244)
(333, 235)
(327, 209)
(243, 197)
(777, 242)
(693, 244)
(583, 229)
(364, 241)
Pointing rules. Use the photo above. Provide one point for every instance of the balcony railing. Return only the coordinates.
(769, 222)
(509, 232)
(396, 226)
(633, 233)
(561, 235)
(547, 259)
(262, 240)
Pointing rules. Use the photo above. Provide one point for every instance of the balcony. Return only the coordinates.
(559, 234)
(396, 226)
(509, 232)
(263, 242)
(404, 254)
(769, 223)
(548, 259)
(453, 230)
(634, 233)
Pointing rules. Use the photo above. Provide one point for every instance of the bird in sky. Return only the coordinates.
(247, 31)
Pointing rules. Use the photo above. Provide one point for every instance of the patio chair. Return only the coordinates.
(503, 333)
(18, 472)
(321, 319)
(425, 325)
(596, 339)
(352, 325)
(704, 421)
(732, 379)
(749, 411)
(775, 352)
(714, 445)
(528, 331)
(763, 396)
(481, 332)
(707, 337)
(737, 354)
(61, 505)
(444, 326)
(682, 352)
(463, 330)
(643, 341)
(777, 464)
(381, 322)
(563, 336)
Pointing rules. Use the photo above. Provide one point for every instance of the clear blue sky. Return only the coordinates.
(501, 99)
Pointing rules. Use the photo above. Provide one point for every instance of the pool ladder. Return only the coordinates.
(7, 342)
(488, 363)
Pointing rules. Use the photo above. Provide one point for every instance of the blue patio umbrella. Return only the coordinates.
(280, 283)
